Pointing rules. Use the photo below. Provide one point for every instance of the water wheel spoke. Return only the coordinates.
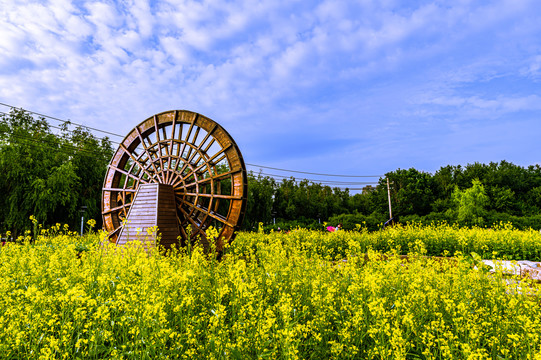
(121, 207)
(222, 153)
(195, 225)
(207, 136)
(127, 173)
(208, 212)
(158, 141)
(181, 229)
(146, 149)
(173, 126)
(190, 158)
(135, 159)
(164, 135)
(211, 142)
(217, 177)
(171, 139)
(217, 196)
(180, 178)
(114, 232)
(195, 135)
(108, 189)
(187, 139)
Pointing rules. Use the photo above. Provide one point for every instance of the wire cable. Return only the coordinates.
(313, 173)
(247, 164)
(321, 181)
(61, 120)
(72, 131)
(65, 149)
(46, 143)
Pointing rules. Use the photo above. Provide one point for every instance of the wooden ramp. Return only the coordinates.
(153, 205)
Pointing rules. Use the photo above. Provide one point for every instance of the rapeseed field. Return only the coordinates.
(297, 295)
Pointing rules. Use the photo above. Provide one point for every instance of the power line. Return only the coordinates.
(248, 164)
(62, 148)
(47, 143)
(61, 120)
(38, 145)
(337, 184)
(51, 126)
(68, 130)
(312, 173)
(322, 181)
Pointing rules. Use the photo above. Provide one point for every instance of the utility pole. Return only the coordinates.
(389, 196)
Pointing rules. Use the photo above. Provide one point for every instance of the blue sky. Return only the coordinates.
(345, 87)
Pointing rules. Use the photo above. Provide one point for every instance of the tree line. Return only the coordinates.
(475, 194)
(56, 174)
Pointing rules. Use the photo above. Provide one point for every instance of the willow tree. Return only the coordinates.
(471, 203)
(48, 174)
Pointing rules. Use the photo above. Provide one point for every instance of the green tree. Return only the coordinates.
(412, 192)
(363, 203)
(259, 206)
(284, 200)
(46, 174)
(445, 181)
(89, 156)
(503, 200)
(532, 203)
(471, 203)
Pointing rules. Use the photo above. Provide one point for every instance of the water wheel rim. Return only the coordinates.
(195, 155)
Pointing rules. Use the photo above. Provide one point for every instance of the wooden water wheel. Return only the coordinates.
(179, 171)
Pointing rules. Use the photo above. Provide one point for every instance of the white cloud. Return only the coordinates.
(11, 39)
(270, 62)
(290, 60)
(77, 29)
(533, 68)
(141, 12)
(470, 108)
(103, 16)
(176, 48)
